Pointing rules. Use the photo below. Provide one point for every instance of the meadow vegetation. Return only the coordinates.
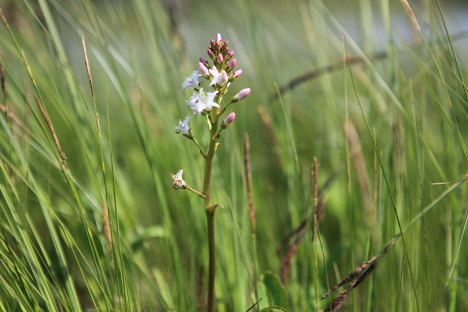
(347, 161)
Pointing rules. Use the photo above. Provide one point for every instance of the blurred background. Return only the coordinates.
(375, 90)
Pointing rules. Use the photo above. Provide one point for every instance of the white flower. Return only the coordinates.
(183, 126)
(219, 78)
(202, 101)
(177, 181)
(191, 81)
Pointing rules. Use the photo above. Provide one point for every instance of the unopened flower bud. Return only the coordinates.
(224, 78)
(218, 37)
(212, 42)
(231, 53)
(210, 53)
(229, 119)
(242, 94)
(203, 69)
(202, 60)
(237, 73)
(232, 63)
(220, 58)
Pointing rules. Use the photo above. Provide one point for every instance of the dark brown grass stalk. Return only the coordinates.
(351, 276)
(286, 261)
(350, 60)
(339, 300)
(356, 277)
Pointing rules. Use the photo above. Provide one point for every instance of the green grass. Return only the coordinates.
(409, 111)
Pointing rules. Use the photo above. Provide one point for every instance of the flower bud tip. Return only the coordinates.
(203, 69)
(230, 118)
(242, 94)
(232, 63)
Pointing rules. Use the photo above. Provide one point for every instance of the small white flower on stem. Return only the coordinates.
(191, 81)
(177, 181)
(219, 78)
(183, 126)
(202, 101)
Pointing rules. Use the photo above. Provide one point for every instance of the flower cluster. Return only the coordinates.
(219, 76)
(208, 101)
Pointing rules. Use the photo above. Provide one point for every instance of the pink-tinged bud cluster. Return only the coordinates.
(219, 53)
(229, 119)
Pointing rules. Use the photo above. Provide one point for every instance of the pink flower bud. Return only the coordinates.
(220, 58)
(224, 77)
(237, 73)
(210, 52)
(212, 42)
(232, 63)
(218, 37)
(229, 119)
(231, 53)
(203, 69)
(242, 94)
(202, 60)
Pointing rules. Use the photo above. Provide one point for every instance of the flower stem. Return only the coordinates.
(194, 191)
(210, 211)
(212, 259)
(202, 152)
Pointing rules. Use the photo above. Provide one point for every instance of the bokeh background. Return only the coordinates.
(102, 229)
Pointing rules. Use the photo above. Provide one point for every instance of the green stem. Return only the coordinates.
(210, 211)
(212, 260)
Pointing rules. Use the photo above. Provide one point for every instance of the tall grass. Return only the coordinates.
(89, 221)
